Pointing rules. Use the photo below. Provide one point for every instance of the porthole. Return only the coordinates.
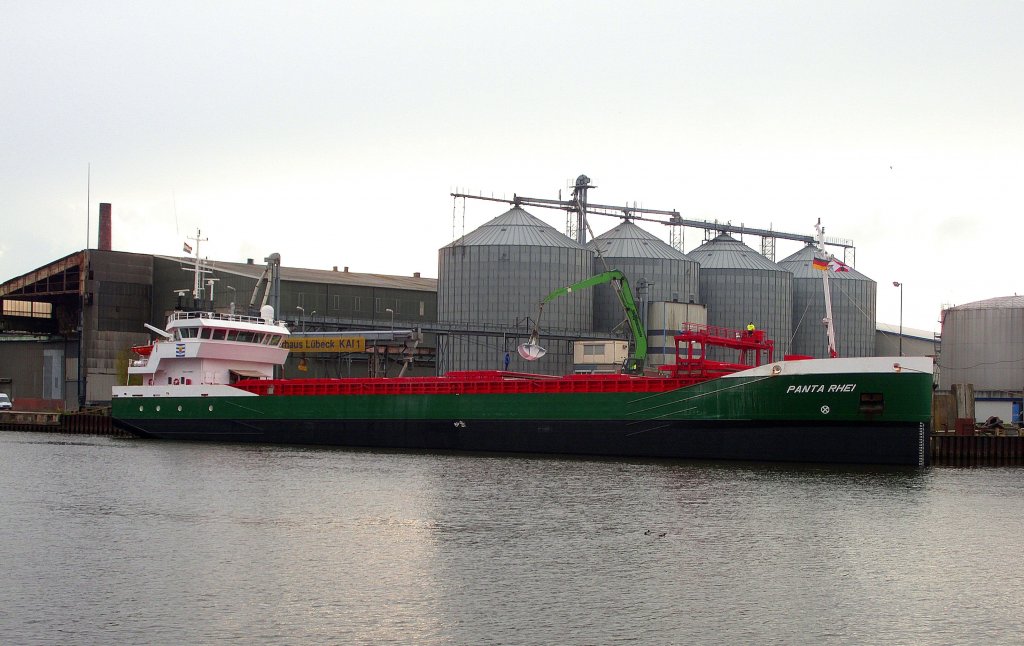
(158, 409)
(211, 408)
(140, 409)
(179, 408)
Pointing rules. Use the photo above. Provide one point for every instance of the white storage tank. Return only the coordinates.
(664, 321)
(983, 344)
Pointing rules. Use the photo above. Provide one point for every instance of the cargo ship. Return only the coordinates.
(210, 377)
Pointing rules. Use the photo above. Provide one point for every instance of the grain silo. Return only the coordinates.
(739, 286)
(490, 282)
(853, 307)
(658, 275)
(655, 270)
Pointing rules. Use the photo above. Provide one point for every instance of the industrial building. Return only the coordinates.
(895, 341)
(67, 328)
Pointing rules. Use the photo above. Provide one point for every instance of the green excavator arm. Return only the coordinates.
(635, 363)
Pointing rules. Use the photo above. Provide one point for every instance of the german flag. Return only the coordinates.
(820, 263)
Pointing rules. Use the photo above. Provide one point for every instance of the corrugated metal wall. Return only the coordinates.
(120, 284)
(492, 280)
(738, 285)
(655, 271)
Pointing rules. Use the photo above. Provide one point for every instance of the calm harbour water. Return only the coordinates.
(127, 541)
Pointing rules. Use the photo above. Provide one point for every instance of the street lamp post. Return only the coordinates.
(302, 317)
(392, 321)
(900, 285)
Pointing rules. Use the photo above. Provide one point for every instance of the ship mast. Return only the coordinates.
(198, 269)
(820, 236)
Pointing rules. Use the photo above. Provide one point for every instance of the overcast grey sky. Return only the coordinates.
(333, 132)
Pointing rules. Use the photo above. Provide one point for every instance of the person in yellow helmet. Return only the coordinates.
(750, 328)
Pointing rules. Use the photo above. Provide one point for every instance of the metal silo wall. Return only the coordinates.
(983, 347)
(735, 297)
(494, 289)
(853, 315)
(674, 280)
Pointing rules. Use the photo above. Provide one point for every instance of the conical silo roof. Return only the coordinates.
(997, 303)
(726, 252)
(853, 298)
(799, 264)
(516, 227)
(630, 241)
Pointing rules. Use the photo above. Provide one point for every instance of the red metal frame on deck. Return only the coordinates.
(692, 366)
(479, 382)
(692, 343)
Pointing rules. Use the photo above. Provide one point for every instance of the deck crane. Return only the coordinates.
(634, 364)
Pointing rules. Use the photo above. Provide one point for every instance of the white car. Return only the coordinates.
(5, 402)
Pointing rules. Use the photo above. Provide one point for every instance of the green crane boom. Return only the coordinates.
(635, 363)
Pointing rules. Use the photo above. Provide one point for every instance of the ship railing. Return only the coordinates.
(719, 332)
(182, 315)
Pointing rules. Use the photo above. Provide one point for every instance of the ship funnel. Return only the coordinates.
(267, 313)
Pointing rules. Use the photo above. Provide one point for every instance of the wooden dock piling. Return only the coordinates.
(977, 450)
(93, 421)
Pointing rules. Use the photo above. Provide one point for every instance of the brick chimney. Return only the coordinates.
(104, 243)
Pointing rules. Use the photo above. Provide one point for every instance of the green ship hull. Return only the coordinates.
(837, 410)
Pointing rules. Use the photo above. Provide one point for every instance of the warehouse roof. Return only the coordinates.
(331, 276)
